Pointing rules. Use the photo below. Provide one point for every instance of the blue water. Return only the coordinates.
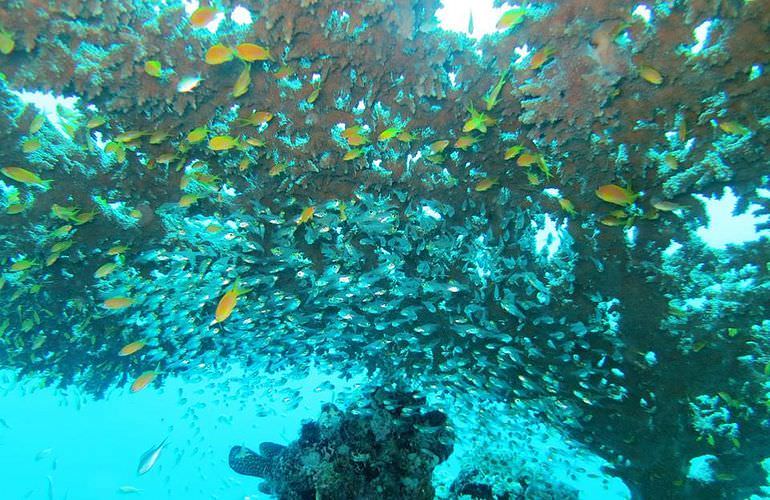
(63, 445)
(89, 449)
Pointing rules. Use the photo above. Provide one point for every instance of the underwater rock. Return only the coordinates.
(385, 447)
(471, 483)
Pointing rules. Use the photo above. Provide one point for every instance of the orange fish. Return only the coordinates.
(228, 301)
(202, 16)
(219, 54)
(251, 52)
(541, 57)
(306, 215)
(612, 193)
(351, 131)
(465, 142)
(118, 302)
(357, 140)
(143, 380)
(256, 118)
(526, 159)
(131, 348)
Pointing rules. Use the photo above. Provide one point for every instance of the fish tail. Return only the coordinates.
(46, 183)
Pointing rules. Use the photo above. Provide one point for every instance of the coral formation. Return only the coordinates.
(384, 447)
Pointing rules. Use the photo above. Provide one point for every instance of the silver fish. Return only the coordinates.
(148, 459)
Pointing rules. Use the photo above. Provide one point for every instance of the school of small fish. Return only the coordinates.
(457, 290)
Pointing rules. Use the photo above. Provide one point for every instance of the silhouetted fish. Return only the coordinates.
(149, 458)
(244, 461)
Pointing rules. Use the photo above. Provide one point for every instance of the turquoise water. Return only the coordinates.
(64, 445)
(89, 449)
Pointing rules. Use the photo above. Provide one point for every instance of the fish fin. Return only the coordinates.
(238, 290)
(270, 450)
(244, 461)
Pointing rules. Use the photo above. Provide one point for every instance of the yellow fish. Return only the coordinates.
(131, 348)
(511, 18)
(242, 83)
(187, 200)
(388, 134)
(64, 213)
(158, 137)
(276, 169)
(6, 43)
(438, 146)
(118, 302)
(733, 127)
(30, 145)
(117, 249)
(405, 136)
(84, 217)
(306, 215)
(197, 135)
(567, 206)
(22, 265)
(105, 270)
(351, 131)
(228, 301)
(95, 121)
(222, 143)
(313, 96)
(485, 184)
(153, 68)
(15, 208)
(25, 177)
(255, 141)
(36, 124)
(611, 220)
(61, 246)
(650, 74)
(143, 380)
(352, 154)
(62, 231)
(52, 258)
(512, 152)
